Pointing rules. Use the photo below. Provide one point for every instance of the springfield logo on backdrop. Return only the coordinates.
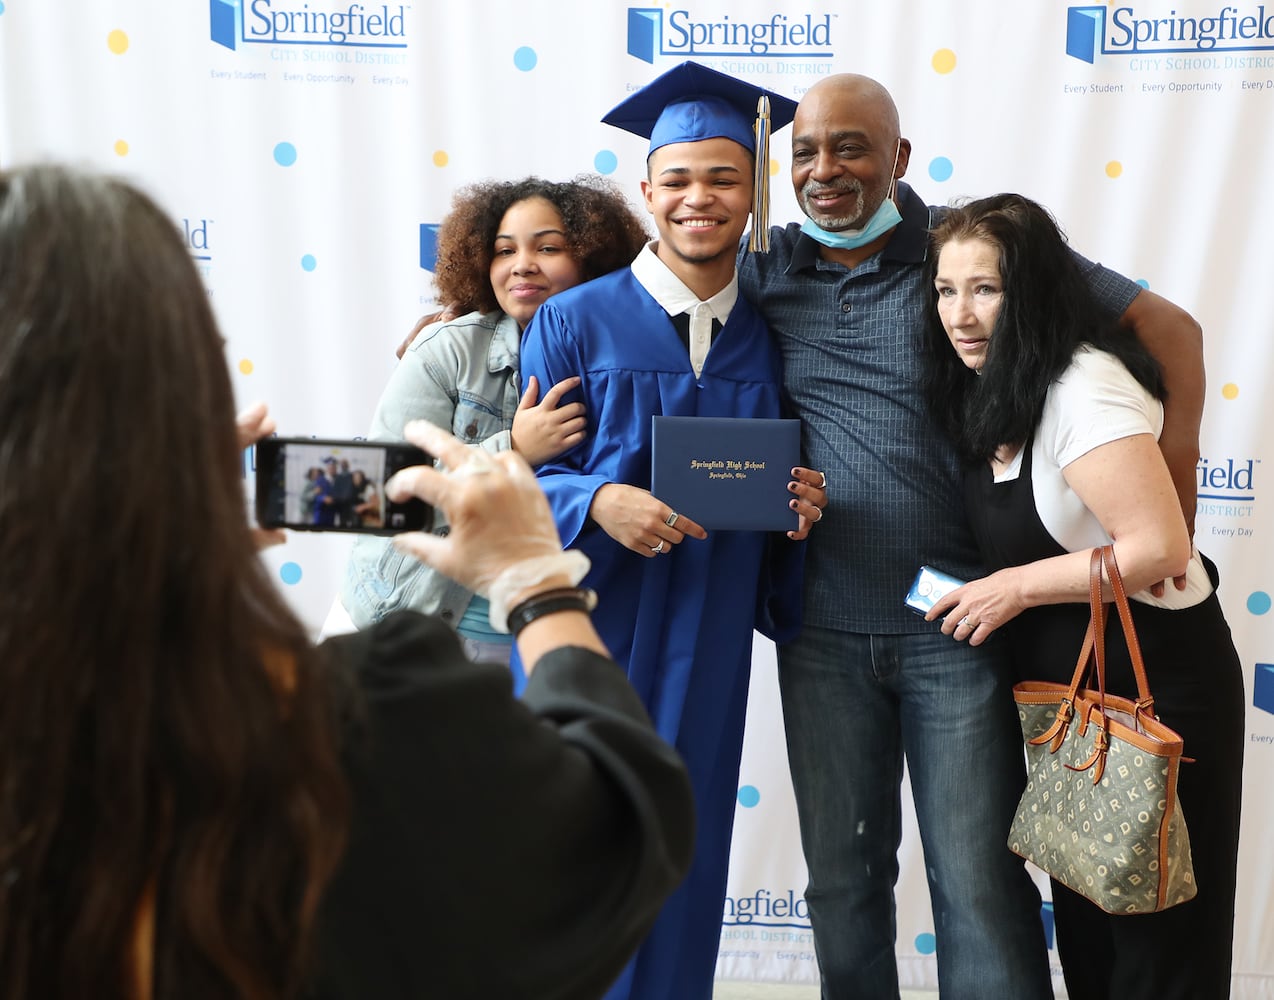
(1263, 695)
(297, 22)
(1227, 489)
(196, 232)
(1175, 41)
(1263, 691)
(764, 908)
(657, 31)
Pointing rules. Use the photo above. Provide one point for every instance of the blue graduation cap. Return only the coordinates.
(690, 103)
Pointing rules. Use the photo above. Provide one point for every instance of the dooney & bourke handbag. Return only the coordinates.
(1100, 811)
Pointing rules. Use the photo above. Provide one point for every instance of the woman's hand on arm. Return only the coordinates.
(1126, 485)
(544, 428)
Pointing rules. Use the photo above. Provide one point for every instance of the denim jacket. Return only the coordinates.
(461, 375)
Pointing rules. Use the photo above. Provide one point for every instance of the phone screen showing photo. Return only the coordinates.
(311, 484)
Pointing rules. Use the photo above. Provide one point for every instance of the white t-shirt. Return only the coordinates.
(1095, 402)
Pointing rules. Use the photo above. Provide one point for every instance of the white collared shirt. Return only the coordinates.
(672, 295)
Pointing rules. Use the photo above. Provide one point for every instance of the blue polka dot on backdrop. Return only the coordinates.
(749, 796)
(290, 573)
(308, 262)
(1, 8)
(605, 162)
(1258, 602)
(926, 944)
(1143, 283)
(525, 59)
(941, 169)
(285, 154)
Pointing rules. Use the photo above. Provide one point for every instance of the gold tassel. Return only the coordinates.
(760, 241)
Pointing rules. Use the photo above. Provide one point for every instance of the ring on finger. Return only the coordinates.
(823, 484)
(656, 549)
(820, 514)
(671, 519)
(968, 624)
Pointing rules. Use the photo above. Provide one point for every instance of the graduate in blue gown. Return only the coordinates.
(678, 604)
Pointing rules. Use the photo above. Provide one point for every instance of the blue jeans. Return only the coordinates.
(853, 706)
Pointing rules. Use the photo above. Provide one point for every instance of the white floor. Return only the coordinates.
(774, 991)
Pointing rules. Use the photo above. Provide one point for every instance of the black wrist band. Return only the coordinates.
(549, 602)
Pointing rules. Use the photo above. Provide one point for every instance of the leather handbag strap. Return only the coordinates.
(1097, 622)
(1092, 655)
(1095, 633)
(1145, 701)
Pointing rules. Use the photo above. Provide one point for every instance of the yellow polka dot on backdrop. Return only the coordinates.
(246, 367)
(1113, 169)
(121, 147)
(944, 61)
(117, 42)
(1230, 391)
(774, 167)
(441, 159)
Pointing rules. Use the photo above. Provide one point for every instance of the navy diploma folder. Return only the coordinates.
(727, 473)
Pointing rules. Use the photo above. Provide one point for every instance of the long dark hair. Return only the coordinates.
(1047, 311)
(603, 233)
(164, 728)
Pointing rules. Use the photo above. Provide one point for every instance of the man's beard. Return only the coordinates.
(851, 185)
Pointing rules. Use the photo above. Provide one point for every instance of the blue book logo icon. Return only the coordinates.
(1263, 688)
(1085, 27)
(226, 22)
(644, 28)
(428, 246)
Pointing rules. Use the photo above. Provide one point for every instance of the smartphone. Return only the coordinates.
(928, 587)
(318, 484)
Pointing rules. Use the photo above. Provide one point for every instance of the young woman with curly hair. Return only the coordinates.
(503, 249)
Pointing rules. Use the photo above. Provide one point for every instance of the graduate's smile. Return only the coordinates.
(699, 222)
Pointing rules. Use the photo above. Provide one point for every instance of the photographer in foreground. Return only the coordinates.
(195, 801)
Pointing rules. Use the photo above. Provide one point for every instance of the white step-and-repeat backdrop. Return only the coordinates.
(308, 148)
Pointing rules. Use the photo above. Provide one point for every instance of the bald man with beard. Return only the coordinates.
(867, 684)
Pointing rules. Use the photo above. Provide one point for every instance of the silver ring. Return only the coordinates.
(823, 484)
(966, 623)
(656, 549)
(820, 514)
(671, 519)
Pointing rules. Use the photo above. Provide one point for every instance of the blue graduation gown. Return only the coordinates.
(680, 623)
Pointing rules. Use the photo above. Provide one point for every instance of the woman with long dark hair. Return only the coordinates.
(1057, 414)
(195, 802)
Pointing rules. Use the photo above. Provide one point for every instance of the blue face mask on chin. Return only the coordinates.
(883, 219)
